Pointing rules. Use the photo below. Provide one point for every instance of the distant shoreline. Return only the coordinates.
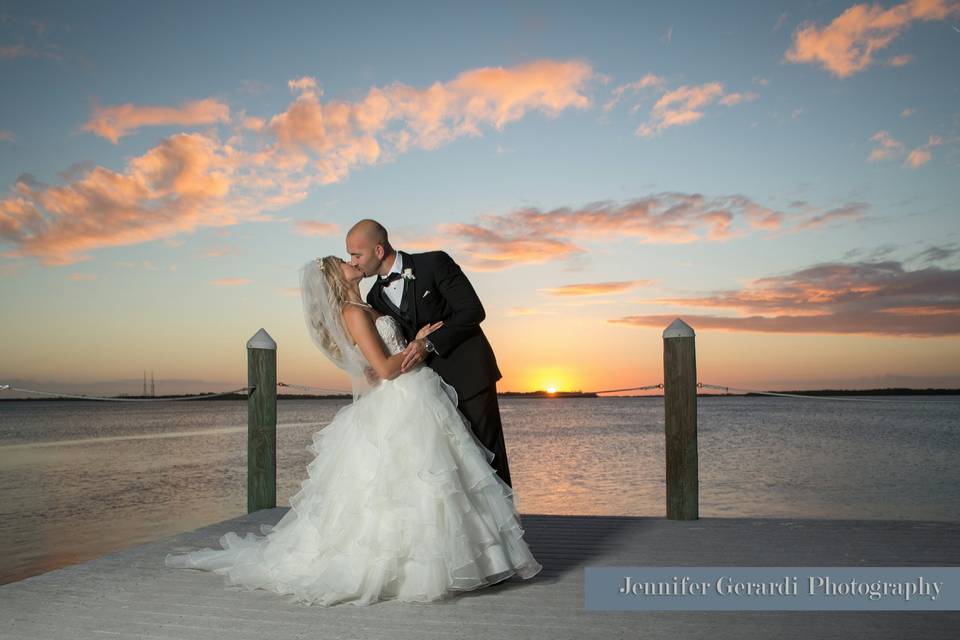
(535, 395)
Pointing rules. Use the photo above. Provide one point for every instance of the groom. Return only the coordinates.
(423, 288)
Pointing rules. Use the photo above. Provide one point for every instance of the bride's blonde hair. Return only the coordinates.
(339, 292)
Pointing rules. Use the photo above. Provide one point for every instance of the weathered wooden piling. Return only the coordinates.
(261, 422)
(680, 421)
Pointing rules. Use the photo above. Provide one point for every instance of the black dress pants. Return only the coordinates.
(483, 412)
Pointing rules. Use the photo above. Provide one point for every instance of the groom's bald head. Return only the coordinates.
(371, 230)
(369, 247)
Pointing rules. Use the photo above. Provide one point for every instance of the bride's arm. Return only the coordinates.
(362, 330)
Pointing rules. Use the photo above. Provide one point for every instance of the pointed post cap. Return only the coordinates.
(261, 340)
(678, 329)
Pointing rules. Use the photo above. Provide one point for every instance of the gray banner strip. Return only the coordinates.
(772, 588)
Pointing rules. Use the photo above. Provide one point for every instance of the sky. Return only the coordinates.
(782, 176)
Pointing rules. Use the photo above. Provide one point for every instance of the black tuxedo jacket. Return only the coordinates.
(441, 291)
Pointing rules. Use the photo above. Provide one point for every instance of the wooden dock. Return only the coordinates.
(131, 594)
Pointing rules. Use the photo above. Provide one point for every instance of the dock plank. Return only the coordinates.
(131, 594)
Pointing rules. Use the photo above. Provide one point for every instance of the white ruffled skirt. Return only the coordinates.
(401, 503)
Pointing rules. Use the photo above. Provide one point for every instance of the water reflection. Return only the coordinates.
(84, 479)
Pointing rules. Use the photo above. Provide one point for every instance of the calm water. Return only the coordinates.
(82, 479)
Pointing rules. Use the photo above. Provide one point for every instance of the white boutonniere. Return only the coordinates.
(408, 274)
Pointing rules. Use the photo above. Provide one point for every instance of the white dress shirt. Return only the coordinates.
(394, 290)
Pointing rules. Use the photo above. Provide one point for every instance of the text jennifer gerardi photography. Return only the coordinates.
(772, 588)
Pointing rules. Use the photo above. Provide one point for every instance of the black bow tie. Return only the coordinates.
(390, 278)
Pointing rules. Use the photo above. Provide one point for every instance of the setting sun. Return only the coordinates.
(551, 389)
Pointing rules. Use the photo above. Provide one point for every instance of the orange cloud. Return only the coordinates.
(342, 134)
(847, 45)
(316, 228)
(685, 105)
(306, 84)
(533, 236)
(889, 148)
(922, 155)
(597, 288)
(193, 180)
(172, 188)
(918, 158)
(489, 250)
(900, 61)
(648, 81)
(867, 298)
(115, 122)
(230, 282)
(6, 136)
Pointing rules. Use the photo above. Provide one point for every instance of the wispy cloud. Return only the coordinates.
(31, 39)
(490, 249)
(922, 154)
(681, 106)
(634, 88)
(849, 43)
(865, 298)
(316, 228)
(535, 236)
(230, 282)
(887, 147)
(21, 50)
(6, 136)
(891, 149)
(117, 121)
(935, 254)
(901, 60)
(780, 22)
(596, 288)
(851, 211)
(686, 105)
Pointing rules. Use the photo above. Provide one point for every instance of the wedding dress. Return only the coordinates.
(401, 503)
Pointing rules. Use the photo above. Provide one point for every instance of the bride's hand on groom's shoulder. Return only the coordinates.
(428, 329)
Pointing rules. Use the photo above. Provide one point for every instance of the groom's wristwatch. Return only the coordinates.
(429, 345)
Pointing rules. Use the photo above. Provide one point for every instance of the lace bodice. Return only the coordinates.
(389, 330)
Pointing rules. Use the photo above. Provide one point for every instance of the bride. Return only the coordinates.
(401, 502)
